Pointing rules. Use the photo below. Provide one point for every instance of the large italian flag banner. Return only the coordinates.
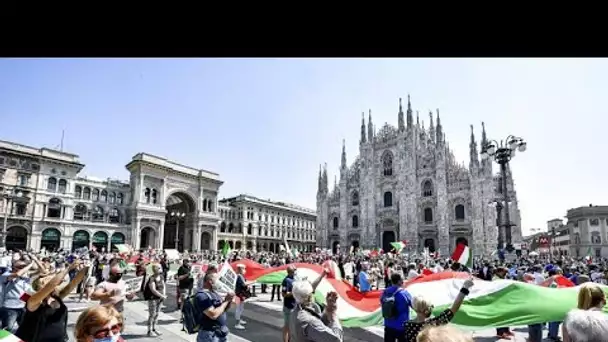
(498, 303)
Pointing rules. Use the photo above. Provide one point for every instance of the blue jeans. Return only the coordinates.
(553, 329)
(210, 336)
(535, 332)
(11, 318)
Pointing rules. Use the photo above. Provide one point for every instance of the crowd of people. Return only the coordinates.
(35, 285)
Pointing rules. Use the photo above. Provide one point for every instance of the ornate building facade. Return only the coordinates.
(406, 185)
(45, 202)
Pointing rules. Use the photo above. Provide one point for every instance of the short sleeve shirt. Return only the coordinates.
(205, 300)
(412, 329)
(288, 302)
(119, 300)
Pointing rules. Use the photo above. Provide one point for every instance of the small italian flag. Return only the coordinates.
(6, 336)
(399, 245)
(462, 254)
(589, 256)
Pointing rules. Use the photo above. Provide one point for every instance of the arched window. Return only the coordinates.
(459, 212)
(223, 227)
(335, 223)
(154, 196)
(427, 188)
(387, 163)
(230, 227)
(355, 221)
(112, 198)
(204, 204)
(596, 238)
(114, 216)
(355, 198)
(120, 199)
(428, 215)
(86, 194)
(63, 185)
(388, 199)
(104, 196)
(78, 191)
(80, 212)
(95, 196)
(54, 208)
(577, 238)
(98, 214)
(240, 231)
(147, 195)
(52, 184)
(210, 206)
(249, 229)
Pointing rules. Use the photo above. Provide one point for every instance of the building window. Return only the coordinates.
(230, 227)
(104, 196)
(112, 198)
(154, 196)
(388, 199)
(428, 215)
(594, 222)
(427, 189)
(78, 191)
(86, 194)
(335, 223)
(114, 216)
(80, 211)
(459, 212)
(95, 195)
(54, 208)
(52, 184)
(120, 199)
(223, 227)
(387, 163)
(598, 252)
(577, 238)
(98, 214)
(249, 229)
(21, 209)
(147, 195)
(63, 185)
(24, 179)
(596, 238)
(355, 198)
(355, 221)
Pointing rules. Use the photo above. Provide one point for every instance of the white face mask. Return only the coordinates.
(112, 338)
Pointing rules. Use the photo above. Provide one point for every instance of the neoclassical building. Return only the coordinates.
(406, 185)
(45, 202)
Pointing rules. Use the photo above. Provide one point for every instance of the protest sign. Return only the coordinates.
(172, 254)
(227, 277)
(197, 269)
(133, 284)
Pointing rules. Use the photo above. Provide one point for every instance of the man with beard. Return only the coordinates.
(185, 282)
(113, 291)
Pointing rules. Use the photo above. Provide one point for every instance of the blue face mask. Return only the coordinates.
(112, 338)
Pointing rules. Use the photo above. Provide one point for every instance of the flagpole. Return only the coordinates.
(62, 136)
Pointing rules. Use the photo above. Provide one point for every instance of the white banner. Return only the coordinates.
(133, 284)
(172, 254)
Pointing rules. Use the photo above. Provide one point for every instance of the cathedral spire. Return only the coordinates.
(474, 156)
(410, 120)
(325, 185)
(370, 128)
(401, 121)
(343, 165)
(418, 119)
(431, 127)
(440, 135)
(320, 181)
(484, 139)
(363, 136)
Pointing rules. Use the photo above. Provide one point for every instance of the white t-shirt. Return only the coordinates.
(117, 300)
(412, 274)
(538, 278)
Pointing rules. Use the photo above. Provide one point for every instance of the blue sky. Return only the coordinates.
(266, 125)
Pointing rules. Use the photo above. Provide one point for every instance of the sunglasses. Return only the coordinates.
(115, 329)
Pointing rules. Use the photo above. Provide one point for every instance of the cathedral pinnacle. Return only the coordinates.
(363, 136)
(343, 154)
(474, 160)
(370, 128)
(401, 121)
(439, 129)
(320, 181)
(431, 127)
(325, 185)
(409, 112)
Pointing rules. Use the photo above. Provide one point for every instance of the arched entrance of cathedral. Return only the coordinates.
(147, 238)
(205, 241)
(50, 239)
(430, 244)
(387, 238)
(335, 246)
(180, 209)
(355, 245)
(80, 239)
(462, 240)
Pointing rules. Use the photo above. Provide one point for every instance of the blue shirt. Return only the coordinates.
(288, 302)
(206, 299)
(364, 285)
(403, 301)
(12, 290)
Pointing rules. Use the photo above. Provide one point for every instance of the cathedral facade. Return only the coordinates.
(405, 185)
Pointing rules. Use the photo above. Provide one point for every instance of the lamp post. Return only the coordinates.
(502, 153)
(8, 196)
(177, 215)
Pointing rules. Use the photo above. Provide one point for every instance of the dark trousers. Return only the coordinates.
(277, 289)
(11, 318)
(392, 335)
(500, 331)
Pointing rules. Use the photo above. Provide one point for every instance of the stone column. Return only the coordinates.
(136, 233)
(196, 245)
(214, 239)
(160, 237)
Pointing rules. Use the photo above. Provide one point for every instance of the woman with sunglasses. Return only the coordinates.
(46, 315)
(102, 323)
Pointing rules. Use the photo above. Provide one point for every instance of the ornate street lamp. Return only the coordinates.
(178, 215)
(8, 196)
(502, 153)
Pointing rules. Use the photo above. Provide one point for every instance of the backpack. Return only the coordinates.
(389, 306)
(192, 316)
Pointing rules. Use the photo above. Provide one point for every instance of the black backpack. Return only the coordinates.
(148, 295)
(192, 315)
(389, 306)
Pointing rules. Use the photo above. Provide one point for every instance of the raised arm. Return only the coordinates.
(318, 280)
(461, 295)
(77, 280)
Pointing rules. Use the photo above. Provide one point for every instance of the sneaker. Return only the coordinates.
(239, 327)
(241, 322)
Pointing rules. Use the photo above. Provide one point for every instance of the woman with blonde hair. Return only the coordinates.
(46, 315)
(591, 297)
(101, 323)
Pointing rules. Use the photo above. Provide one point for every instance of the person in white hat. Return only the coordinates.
(242, 291)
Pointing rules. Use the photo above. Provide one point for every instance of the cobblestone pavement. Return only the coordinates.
(264, 320)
